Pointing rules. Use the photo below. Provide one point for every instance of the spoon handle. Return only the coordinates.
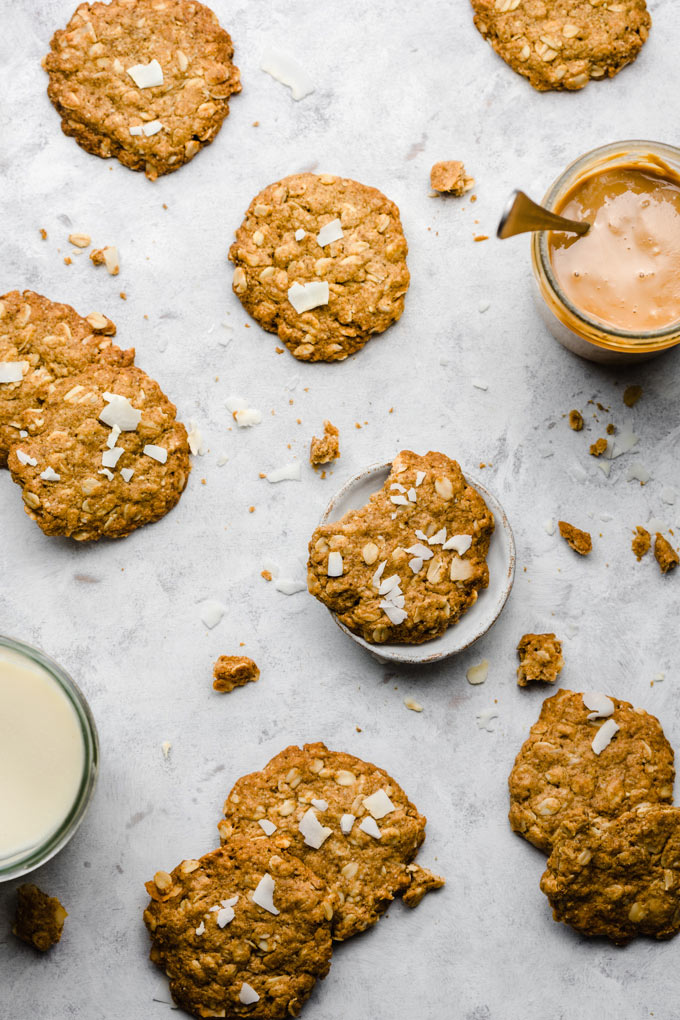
(522, 215)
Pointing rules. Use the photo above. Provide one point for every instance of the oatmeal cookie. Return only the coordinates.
(241, 932)
(409, 563)
(40, 341)
(146, 81)
(39, 919)
(540, 658)
(619, 879)
(450, 178)
(641, 542)
(558, 770)
(664, 554)
(103, 456)
(562, 44)
(321, 261)
(327, 448)
(579, 541)
(232, 671)
(345, 818)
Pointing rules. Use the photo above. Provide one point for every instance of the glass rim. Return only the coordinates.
(620, 338)
(22, 863)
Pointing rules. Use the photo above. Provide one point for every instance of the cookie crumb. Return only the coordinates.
(43, 233)
(108, 257)
(39, 918)
(413, 705)
(579, 541)
(665, 554)
(540, 658)
(232, 671)
(598, 447)
(481, 237)
(165, 748)
(68, 260)
(642, 540)
(450, 178)
(631, 395)
(575, 420)
(326, 449)
(422, 881)
(611, 429)
(80, 240)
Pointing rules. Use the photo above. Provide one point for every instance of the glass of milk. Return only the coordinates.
(49, 756)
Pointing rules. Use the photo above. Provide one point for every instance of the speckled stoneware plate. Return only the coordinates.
(488, 607)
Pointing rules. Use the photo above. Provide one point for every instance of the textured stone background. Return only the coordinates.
(399, 85)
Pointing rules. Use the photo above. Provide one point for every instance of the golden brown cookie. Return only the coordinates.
(103, 456)
(146, 81)
(540, 658)
(409, 563)
(242, 932)
(579, 541)
(232, 671)
(619, 878)
(40, 341)
(347, 819)
(39, 919)
(558, 771)
(321, 261)
(327, 448)
(563, 44)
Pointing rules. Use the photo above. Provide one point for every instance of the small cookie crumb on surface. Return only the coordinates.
(579, 541)
(664, 554)
(540, 658)
(449, 178)
(326, 449)
(631, 395)
(641, 542)
(39, 919)
(232, 671)
(107, 256)
(598, 447)
(422, 882)
(575, 420)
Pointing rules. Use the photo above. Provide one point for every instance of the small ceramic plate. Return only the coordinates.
(486, 610)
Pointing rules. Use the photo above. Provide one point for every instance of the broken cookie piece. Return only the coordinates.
(232, 671)
(575, 420)
(540, 658)
(422, 882)
(450, 178)
(665, 554)
(631, 395)
(326, 449)
(598, 447)
(39, 919)
(641, 542)
(580, 541)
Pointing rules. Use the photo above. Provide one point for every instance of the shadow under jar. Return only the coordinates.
(613, 295)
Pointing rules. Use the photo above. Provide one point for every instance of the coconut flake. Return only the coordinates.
(146, 76)
(369, 826)
(315, 834)
(335, 564)
(201, 928)
(50, 475)
(195, 438)
(398, 487)
(420, 475)
(604, 735)
(158, 453)
(330, 232)
(478, 674)
(421, 535)
(13, 371)
(126, 474)
(346, 823)
(438, 538)
(395, 615)
(120, 413)
(422, 551)
(224, 916)
(378, 574)
(319, 804)
(413, 705)
(211, 612)
(379, 804)
(285, 69)
(412, 495)
(23, 458)
(416, 564)
(485, 718)
(135, 130)
(461, 570)
(300, 233)
(305, 296)
(637, 472)
(222, 459)
(288, 473)
(459, 543)
(267, 827)
(111, 457)
(106, 472)
(111, 259)
(549, 526)
(289, 585)
(152, 127)
(479, 384)
(601, 705)
(248, 417)
(248, 995)
(263, 895)
(389, 584)
(624, 441)
(113, 437)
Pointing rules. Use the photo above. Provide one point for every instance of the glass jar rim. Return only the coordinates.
(621, 338)
(20, 864)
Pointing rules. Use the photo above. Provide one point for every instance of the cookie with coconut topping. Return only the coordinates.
(347, 819)
(241, 932)
(589, 753)
(145, 81)
(409, 563)
(103, 455)
(41, 341)
(620, 879)
(321, 261)
(564, 44)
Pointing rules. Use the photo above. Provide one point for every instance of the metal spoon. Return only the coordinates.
(522, 215)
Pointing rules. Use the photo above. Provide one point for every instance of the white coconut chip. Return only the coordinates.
(412, 495)
(395, 615)
(248, 995)
(478, 674)
(346, 823)
(416, 564)
(135, 130)
(420, 475)
(23, 458)
(483, 306)
(460, 570)
(668, 495)
(111, 259)
(604, 736)
(146, 76)
(379, 804)
(13, 371)
(288, 473)
(399, 500)
(330, 232)
(222, 459)
(485, 718)
(479, 384)
(120, 413)
(165, 748)
(389, 584)
(126, 474)
(398, 487)
(659, 677)
(201, 928)
(243, 415)
(211, 612)
(319, 804)
(637, 472)
(106, 472)
(315, 834)
(289, 585)
(423, 551)
(413, 705)
(375, 581)
(113, 437)
(438, 538)
(305, 296)
(158, 453)
(50, 475)
(152, 127)
(263, 895)
(335, 564)
(601, 706)
(285, 69)
(195, 438)
(459, 543)
(369, 826)
(267, 827)
(624, 441)
(273, 567)
(111, 457)
(22, 432)
(300, 233)
(224, 916)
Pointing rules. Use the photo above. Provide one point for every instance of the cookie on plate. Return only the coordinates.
(39, 919)
(241, 932)
(409, 563)
(587, 753)
(104, 455)
(563, 44)
(40, 341)
(347, 819)
(321, 261)
(619, 878)
(146, 81)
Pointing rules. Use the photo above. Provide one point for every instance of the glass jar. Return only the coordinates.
(574, 329)
(27, 859)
